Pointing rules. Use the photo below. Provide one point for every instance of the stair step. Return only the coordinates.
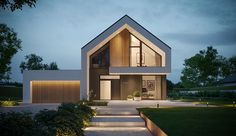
(117, 131)
(117, 111)
(117, 121)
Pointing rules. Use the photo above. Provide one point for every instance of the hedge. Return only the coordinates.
(11, 93)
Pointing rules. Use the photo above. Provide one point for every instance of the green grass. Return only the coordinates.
(94, 103)
(194, 121)
(101, 103)
(211, 101)
(210, 88)
(11, 93)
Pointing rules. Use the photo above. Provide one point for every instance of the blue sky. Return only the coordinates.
(56, 30)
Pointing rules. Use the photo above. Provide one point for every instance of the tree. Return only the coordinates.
(9, 45)
(232, 64)
(170, 84)
(34, 62)
(178, 85)
(51, 66)
(16, 4)
(203, 69)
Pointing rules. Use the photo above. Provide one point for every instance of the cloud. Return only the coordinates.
(223, 37)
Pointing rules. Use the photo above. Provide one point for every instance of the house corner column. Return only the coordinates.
(164, 87)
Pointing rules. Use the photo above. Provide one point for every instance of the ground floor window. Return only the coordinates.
(119, 87)
(151, 87)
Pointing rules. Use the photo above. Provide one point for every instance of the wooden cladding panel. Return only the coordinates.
(119, 49)
(55, 91)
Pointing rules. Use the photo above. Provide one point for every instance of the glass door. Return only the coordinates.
(105, 89)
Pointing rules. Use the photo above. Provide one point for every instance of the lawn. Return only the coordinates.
(224, 102)
(194, 121)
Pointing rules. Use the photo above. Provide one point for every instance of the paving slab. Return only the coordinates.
(117, 131)
(117, 121)
(33, 108)
(147, 103)
(116, 111)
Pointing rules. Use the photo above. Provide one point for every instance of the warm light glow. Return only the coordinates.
(134, 41)
(105, 90)
(117, 116)
(54, 91)
(109, 77)
(134, 32)
(114, 128)
(156, 74)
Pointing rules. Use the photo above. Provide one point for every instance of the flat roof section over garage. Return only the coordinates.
(40, 86)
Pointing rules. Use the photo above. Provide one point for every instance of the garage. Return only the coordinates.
(55, 91)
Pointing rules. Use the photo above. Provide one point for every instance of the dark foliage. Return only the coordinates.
(9, 45)
(16, 4)
(16, 124)
(34, 62)
(70, 119)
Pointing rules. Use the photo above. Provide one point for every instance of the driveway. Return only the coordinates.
(34, 108)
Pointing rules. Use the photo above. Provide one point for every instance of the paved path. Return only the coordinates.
(147, 103)
(117, 121)
(121, 114)
(33, 108)
(117, 131)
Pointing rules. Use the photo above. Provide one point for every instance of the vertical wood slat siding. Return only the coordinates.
(55, 91)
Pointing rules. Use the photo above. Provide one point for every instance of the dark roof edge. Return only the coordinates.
(103, 31)
(149, 32)
(118, 21)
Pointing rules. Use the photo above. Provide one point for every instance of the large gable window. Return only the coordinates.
(149, 57)
(100, 59)
(141, 55)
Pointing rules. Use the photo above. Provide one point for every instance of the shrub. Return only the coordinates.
(70, 119)
(55, 123)
(16, 124)
(93, 103)
(78, 108)
(8, 103)
(136, 94)
(129, 97)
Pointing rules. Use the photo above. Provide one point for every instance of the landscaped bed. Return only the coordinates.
(194, 121)
(69, 120)
(224, 102)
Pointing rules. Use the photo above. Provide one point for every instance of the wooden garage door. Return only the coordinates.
(55, 91)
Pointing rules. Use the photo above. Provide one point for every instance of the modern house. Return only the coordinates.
(229, 80)
(122, 59)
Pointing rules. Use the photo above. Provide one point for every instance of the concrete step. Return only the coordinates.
(117, 121)
(116, 111)
(117, 131)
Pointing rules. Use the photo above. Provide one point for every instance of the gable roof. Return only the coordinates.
(229, 79)
(132, 23)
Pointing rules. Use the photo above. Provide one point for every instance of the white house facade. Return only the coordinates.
(123, 59)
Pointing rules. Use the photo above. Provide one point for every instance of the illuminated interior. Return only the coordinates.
(125, 50)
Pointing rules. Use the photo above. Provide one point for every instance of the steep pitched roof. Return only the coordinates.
(132, 23)
(229, 79)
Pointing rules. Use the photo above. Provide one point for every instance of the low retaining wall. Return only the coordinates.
(153, 128)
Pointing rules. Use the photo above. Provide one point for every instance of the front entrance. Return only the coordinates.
(105, 90)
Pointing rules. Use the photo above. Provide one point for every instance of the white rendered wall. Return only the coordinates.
(33, 75)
